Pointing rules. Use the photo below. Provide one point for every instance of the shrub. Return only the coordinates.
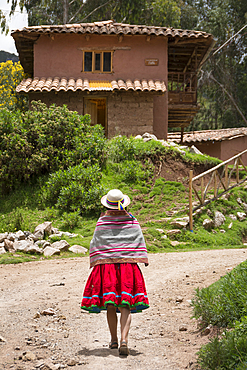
(45, 140)
(225, 301)
(77, 188)
(227, 352)
(11, 75)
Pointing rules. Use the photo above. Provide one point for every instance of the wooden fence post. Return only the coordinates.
(190, 200)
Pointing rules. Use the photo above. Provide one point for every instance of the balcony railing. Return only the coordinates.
(182, 88)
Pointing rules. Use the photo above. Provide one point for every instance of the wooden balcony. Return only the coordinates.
(182, 98)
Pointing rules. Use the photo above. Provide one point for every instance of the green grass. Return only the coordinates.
(224, 304)
(131, 168)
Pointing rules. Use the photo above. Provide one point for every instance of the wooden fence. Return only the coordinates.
(215, 182)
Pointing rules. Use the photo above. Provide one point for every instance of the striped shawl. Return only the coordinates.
(117, 239)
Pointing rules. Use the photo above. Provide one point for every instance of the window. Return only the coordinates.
(97, 61)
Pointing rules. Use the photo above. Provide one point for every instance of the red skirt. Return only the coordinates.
(120, 284)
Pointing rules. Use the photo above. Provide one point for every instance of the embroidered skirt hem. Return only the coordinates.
(119, 284)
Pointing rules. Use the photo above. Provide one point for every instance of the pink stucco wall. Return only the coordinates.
(60, 56)
(225, 149)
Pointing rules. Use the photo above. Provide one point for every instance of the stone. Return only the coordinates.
(22, 245)
(45, 227)
(39, 234)
(174, 243)
(138, 137)
(3, 236)
(62, 245)
(36, 316)
(179, 224)
(239, 200)
(54, 230)
(241, 216)
(173, 232)
(179, 299)
(20, 235)
(11, 237)
(34, 249)
(72, 362)
(222, 231)
(78, 249)
(230, 225)
(219, 219)
(49, 312)
(147, 139)
(183, 327)
(2, 339)
(2, 250)
(9, 245)
(149, 136)
(193, 149)
(29, 356)
(164, 237)
(208, 223)
(233, 217)
(160, 230)
(206, 331)
(50, 251)
(226, 196)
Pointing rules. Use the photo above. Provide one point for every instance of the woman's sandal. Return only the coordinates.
(123, 349)
(113, 345)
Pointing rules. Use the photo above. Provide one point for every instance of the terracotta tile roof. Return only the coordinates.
(110, 27)
(63, 84)
(208, 135)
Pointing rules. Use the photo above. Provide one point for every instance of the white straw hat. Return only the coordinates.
(115, 199)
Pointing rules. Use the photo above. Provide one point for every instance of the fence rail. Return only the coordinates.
(219, 179)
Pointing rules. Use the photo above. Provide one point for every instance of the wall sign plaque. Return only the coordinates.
(151, 62)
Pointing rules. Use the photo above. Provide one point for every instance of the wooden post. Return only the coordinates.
(237, 170)
(190, 200)
(215, 183)
(182, 135)
(202, 188)
(226, 176)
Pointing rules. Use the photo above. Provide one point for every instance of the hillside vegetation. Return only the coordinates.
(55, 167)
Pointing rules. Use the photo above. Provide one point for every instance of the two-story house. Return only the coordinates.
(131, 79)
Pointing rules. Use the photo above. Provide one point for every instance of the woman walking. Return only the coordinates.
(116, 283)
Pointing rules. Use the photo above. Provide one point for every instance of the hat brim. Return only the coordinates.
(124, 204)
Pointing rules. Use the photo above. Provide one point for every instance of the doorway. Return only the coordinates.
(96, 107)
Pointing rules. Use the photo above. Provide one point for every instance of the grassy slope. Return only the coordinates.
(151, 202)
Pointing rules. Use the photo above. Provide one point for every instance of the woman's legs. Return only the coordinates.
(125, 321)
(112, 322)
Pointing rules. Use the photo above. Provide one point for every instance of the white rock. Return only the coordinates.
(173, 232)
(164, 237)
(230, 225)
(160, 230)
(22, 245)
(11, 236)
(2, 250)
(34, 249)
(219, 219)
(239, 200)
(241, 216)
(138, 137)
(45, 227)
(180, 224)
(49, 251)
(78, 249)
(208, 223)
(62, 245)
(2, 339)
(20, 235)
(222, 231)
(193, 149)
(3, 236)
(183, 327)
(149, 136)
(9, 245)
(233, 217)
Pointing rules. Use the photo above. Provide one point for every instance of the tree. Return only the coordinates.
(11, 74)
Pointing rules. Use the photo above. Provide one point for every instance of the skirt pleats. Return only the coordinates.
(120, 284)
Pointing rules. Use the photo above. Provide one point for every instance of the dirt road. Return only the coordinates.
(75, 339)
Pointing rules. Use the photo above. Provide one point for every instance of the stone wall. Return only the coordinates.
(130, 114)
(127, 113)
